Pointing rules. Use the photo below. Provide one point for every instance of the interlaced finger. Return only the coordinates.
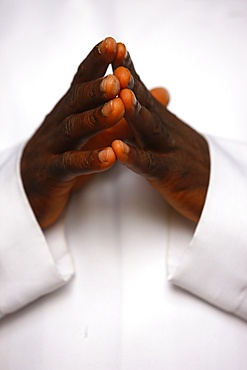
(123, 59)
(144, 162)
(97, 61)
(86, 96)
(149, 131)
(77, 128)
(75, 163)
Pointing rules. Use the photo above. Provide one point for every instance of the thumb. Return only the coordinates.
(161, 94)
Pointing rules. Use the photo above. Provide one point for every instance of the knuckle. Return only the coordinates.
(80, 125)
(90, 90)
(72, 97)
(93, 89)
(77, 162)
(87, 162)
(68, 126)
(90, 120)
(153, 165)
(149, 163)
(82, 96)
(66, 162)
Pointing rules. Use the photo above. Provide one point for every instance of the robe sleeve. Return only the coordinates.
(210, 261)
(32, 263)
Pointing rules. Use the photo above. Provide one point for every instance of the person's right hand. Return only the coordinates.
(56, 156)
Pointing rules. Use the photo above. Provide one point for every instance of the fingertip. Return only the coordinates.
(121, 51)
(108, 46)
(116, 146)
(118, 107)
(121, 55)
(161, 94)
(107, 156)
(128, 98)
(110, 86)
(124, 76)
(114, 108)
(120, 148)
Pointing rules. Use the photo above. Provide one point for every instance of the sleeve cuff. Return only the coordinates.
(210, 260)
(32, 263)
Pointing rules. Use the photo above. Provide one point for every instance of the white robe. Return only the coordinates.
(130, 254)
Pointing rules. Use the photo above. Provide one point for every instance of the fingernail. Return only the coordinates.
(102, 48)
(125, 148)
(104, 155)
(131, 82)
(103, 85)
(107, 109)
(134, 100)
(126, 60)
(110, 84)
(136, 104)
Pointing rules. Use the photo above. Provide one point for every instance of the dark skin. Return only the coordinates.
(56, 157)
(172, 156)
(78, 139)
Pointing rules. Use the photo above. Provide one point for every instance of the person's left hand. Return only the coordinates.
(172, 156)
